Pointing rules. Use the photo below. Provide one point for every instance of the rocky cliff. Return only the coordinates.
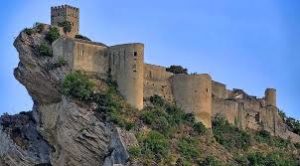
(70, 130)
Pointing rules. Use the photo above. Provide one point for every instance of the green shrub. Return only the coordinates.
(157, 119)
(78, 86)
(135, 152)
(199, 128)
(67, 27)
(82, 37)
(28, 31)
(263, 137)
(230, 136)
(177, 69)
(40, 27)
(210, 161)
(157, 143)
(45, 50)
(52, 35)
(274, 158)
(157, 101)
(188, 148)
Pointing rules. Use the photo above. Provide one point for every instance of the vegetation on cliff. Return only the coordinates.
(168, 136)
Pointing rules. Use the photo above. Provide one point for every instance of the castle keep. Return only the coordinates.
(196, 93)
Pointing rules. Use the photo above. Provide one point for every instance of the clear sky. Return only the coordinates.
(248, 44)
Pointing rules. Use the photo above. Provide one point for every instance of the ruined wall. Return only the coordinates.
(193, 93)
(219, 90)
(63, 13)
(270, 96)
(127, 68)
(157, 82)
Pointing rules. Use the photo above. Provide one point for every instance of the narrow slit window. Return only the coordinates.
(135, 53)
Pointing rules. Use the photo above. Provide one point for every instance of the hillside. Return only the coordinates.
(79, 118)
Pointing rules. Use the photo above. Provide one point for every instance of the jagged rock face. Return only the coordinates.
(72, 128)
(78, 137)
(42, 84)
(21, 144)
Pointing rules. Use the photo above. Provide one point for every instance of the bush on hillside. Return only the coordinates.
(78, 85)
(275, 158)
(45, 50)
(210, 161)
(52, 35)
(188, 148)
(230, 136)
(155, 143)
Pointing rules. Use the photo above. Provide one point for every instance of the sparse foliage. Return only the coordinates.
(78, 85)
(45, 50)
(52, 35)
(176, 69)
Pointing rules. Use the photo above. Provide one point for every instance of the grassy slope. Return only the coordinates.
(168, 136)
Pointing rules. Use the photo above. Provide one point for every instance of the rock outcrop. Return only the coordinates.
(76, 135)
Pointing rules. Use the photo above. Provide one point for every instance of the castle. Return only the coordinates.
(194, 93)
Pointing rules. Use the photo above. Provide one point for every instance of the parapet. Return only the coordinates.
(270, 96)
(63, 7)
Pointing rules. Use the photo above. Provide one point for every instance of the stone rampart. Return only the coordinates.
(127, 68)
(157, 82)
(193, 93)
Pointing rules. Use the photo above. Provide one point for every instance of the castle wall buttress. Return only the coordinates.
(193, 93)
(127, 69)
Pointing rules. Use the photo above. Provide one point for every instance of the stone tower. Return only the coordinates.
(127, 68)
(193, 93)
(270, 96)
(60, 14)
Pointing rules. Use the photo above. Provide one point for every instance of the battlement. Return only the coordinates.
(64, 7)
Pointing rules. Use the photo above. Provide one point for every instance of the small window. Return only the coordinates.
(135, 53)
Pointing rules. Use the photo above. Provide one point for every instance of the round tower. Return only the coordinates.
(270, 96)
(127, 68)
(193, 93)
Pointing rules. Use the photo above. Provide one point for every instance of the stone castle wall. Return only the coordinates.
(193, 94)
(197, 94)
(157, 82)
(127, 68)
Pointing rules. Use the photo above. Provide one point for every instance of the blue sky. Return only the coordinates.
(250, 44)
